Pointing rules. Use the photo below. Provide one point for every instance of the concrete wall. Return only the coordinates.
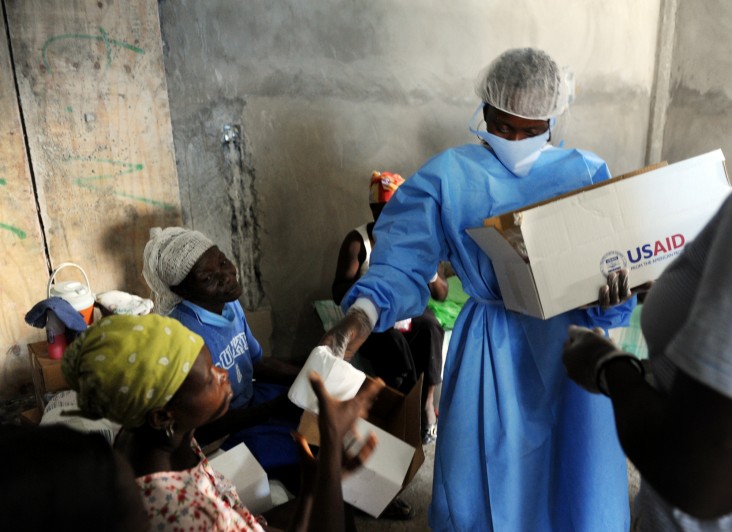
(325, 91)
(700, 98)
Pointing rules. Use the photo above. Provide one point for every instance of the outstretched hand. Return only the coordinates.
(336, 421)
(582, 351)
(337, 418)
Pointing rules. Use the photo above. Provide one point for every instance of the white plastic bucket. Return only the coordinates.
(79, 296)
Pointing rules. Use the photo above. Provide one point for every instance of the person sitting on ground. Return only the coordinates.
(155, 377)
(56, 478)
(401, 354)
(194, 282)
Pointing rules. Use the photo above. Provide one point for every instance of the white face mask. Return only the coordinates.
(518, 156)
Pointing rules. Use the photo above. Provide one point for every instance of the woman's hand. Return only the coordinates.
(337, 420)
(320, 501)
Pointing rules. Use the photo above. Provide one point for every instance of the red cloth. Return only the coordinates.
(383, 185)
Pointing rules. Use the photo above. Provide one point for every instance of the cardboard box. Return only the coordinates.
(395, 418)
(31, 417)
(242, 469)
(46, 372)
(639, 221)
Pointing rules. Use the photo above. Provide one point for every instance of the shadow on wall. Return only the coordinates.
(128, 239)
(309, 329)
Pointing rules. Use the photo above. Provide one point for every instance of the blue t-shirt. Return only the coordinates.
(230, 341)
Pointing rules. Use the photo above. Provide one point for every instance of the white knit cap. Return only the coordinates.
(169, 257)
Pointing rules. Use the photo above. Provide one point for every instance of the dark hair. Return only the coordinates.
(55, 478)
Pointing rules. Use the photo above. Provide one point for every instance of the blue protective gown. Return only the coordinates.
(520, 447)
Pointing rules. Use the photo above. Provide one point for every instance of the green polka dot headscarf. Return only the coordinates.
(126, 366)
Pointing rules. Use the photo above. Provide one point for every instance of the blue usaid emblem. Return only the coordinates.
(612, 261)
(656, 251)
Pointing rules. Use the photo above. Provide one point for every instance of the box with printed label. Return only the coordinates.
(555, 256)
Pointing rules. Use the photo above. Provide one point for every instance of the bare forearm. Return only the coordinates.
(304, 509)
(327, 501)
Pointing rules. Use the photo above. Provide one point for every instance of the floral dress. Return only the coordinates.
(196, 499)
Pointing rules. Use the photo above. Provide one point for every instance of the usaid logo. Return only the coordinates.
(651, 250)
(612, 261)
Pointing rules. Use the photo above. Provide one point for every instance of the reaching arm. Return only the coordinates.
(347, 335)
(681, 442)
(320, 506)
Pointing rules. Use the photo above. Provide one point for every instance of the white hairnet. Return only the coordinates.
(169, 257)
(526, 82)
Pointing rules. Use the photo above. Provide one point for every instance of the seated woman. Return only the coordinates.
(155, 377)
(195, 283)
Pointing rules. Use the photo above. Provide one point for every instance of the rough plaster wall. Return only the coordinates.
(327, 90)
(700, 110)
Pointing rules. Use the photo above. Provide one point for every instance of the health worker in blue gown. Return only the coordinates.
(520, 447)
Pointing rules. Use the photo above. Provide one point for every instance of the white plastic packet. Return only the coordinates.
(119, 302)
(341, 379)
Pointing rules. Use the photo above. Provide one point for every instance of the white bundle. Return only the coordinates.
(119, 302)
(340, 378)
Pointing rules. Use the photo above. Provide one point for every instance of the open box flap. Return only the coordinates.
(507, 220)
(410, 431)
(511, 270)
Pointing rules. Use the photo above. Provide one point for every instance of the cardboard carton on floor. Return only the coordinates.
(639, 221)
(242, 469)
(395, 418)
(46, 372)
(31, 417)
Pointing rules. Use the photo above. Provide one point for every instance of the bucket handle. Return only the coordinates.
(64, 265)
